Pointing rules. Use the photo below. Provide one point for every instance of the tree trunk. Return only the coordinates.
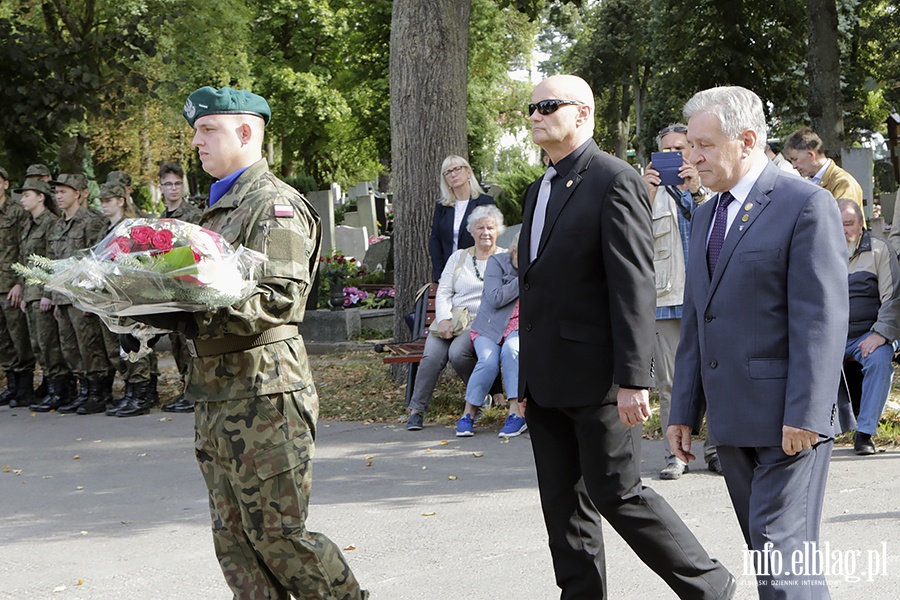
(826, 107)
(428, 77)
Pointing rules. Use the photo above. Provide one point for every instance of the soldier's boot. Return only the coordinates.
(107, 389)
(42, 390)
(96, 402)
(121, 402)
(152, 391)
(78, 399)
(139, 404)
(24, 390)
(55, 398)
(10, 392)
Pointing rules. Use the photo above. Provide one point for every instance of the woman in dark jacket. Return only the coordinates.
(460, 195)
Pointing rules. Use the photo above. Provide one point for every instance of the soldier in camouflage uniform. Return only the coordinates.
(171, 181)
(16, 356)
(255, 401)
(39, 201)
(80, 333)
(140, 376)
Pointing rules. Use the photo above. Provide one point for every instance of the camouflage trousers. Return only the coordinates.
(81, 341)
(140, 371)
(182, 355)
(15, 344)
(45, 341)
(255, 455)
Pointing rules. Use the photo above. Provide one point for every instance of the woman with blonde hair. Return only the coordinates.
(460, 195)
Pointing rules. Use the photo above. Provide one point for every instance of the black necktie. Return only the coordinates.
(717, 237)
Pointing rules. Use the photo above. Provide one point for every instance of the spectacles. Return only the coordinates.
(673, 129)
(171, 184)
(454, 170)
(548, 107)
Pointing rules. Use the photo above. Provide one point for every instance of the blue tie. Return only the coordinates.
(717, 237)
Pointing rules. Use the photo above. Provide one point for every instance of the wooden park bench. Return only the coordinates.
(411, 352)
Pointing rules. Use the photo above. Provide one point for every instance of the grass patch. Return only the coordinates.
(357, 386)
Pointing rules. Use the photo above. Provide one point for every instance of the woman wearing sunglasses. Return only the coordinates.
(460, 195)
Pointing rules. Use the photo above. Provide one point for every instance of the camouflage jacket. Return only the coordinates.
(186, 212)
(34, 239)
(264, 214)
(68, 236)
(12, 219)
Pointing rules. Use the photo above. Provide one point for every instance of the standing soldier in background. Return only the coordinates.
(80, 333)
(38, 171)
(16, 356)
(39, 200)
(171, 182)
(255, 402)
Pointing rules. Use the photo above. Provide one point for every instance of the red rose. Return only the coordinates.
(142, 234)
(119, 245)
(162, 240)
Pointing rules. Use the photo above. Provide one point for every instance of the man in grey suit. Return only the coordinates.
(763, 332)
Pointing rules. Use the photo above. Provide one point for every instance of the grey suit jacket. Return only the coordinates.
(762, 340)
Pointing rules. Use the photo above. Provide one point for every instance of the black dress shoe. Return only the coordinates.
(715, 466)
(729, 589)
(863, 444)
(181, 405)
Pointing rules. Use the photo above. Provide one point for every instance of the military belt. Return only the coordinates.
(238, 343)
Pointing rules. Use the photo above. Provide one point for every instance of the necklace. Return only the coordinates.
(477, 272)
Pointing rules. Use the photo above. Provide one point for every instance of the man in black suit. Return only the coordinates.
(586, 325)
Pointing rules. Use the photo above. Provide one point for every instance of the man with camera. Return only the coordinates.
(673, 206)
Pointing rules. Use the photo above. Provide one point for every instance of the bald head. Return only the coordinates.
(568, 124)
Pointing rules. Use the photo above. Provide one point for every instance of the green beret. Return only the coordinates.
(112, 190)
(210, 101)
(36, 185)
(37, 170)
(119, 177)
(76, 181)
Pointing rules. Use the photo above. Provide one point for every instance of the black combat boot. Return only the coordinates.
(139, 403)
(78, 399)
(56, 397)
(41, 392)
(121, 402)
(152, 391)
(24, 390)
(10, 392)
(95, 403)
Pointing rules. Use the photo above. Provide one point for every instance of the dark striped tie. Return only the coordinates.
(717, 237)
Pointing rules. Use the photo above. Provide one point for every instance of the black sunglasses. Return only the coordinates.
(674, 129)
(548, 107)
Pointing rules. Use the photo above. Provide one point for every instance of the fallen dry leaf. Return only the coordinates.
(370, 457)
(97, 441)
(369, 464)
(6, 468)
(17, 471)
(424, 467)
(444, 442)
(452, 477)
(478, 454)
(79, 487)
(76, 457)
(59, 588)
(427, 449)
(83, 532)
(80, 581)
(429, 514)
(142, 454)
(350, 547)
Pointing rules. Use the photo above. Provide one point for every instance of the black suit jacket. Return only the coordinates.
(440, 245)
(588, 300)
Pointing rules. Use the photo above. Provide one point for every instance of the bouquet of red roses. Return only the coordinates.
(146, 266)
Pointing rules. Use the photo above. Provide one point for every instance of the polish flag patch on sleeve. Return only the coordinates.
(284, 210)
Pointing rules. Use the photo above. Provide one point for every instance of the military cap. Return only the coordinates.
(112, 190)
(37, 170)
(76, 181)
(4, 174)
(210, 101)
(36, 185)
(120, 177)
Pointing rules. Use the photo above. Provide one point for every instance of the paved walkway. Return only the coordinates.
(106, 508)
